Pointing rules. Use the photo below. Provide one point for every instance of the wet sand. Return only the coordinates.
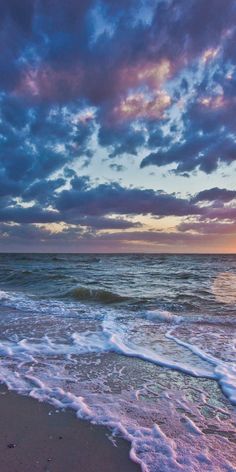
(35, 436)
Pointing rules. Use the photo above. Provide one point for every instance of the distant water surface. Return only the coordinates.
(144, 344)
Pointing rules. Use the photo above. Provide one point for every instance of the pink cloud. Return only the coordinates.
(45, 83)
(138, 105)
(146, 73)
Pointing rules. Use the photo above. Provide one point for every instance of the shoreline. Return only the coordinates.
(35, 436)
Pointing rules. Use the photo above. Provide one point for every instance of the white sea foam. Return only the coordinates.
(129, 349)
(226, 375)
(168, 317)
(153, 448)
(87, 342)
(224, 372)
(111, 339)
(162, 315)
(4, 295)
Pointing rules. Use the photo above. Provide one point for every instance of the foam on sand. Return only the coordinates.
(224, 372)
(45, 367)
(131, 350)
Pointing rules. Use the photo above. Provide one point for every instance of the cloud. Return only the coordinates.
(31, 237)
(38, 141)
(84, 204)
(42, 191)
(88, 79)
(137, 106)
(34, 214)
(123, 64)
(121, 139)
(112, 198)
(117, 167)
(198, 150)
(211, 228)
(102, 223)
(213, 194)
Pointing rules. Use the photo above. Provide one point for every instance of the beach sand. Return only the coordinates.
(37, 437)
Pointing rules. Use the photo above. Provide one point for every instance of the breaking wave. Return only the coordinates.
(99, 295)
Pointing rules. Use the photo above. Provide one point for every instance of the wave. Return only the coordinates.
(163, 316)
(17, 275)
(91, 294)
(89, 260)
(75, 259)
(224, 372)
(57, 258)
(37, 276)
(48, 380)
(4, 295)
(111, 339)
(57, 276)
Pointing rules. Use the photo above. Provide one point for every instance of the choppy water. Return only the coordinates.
(142, 343)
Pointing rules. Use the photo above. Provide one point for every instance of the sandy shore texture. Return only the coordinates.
(37, 437)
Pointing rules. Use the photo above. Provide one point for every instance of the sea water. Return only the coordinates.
(144, 344)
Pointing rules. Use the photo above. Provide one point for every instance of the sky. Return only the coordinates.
(117, 126)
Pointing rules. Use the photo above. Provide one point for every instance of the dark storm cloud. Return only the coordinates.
(156, 138)
(15, 34)
(121, 140)
(202, 151)
(33, 214)
(113, 198)
(212, 194)
(37, 215)
(43, 190)
(90, 206)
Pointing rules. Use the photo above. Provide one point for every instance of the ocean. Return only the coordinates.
(143, 344)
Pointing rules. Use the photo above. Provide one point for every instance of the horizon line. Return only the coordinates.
(123, 253)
